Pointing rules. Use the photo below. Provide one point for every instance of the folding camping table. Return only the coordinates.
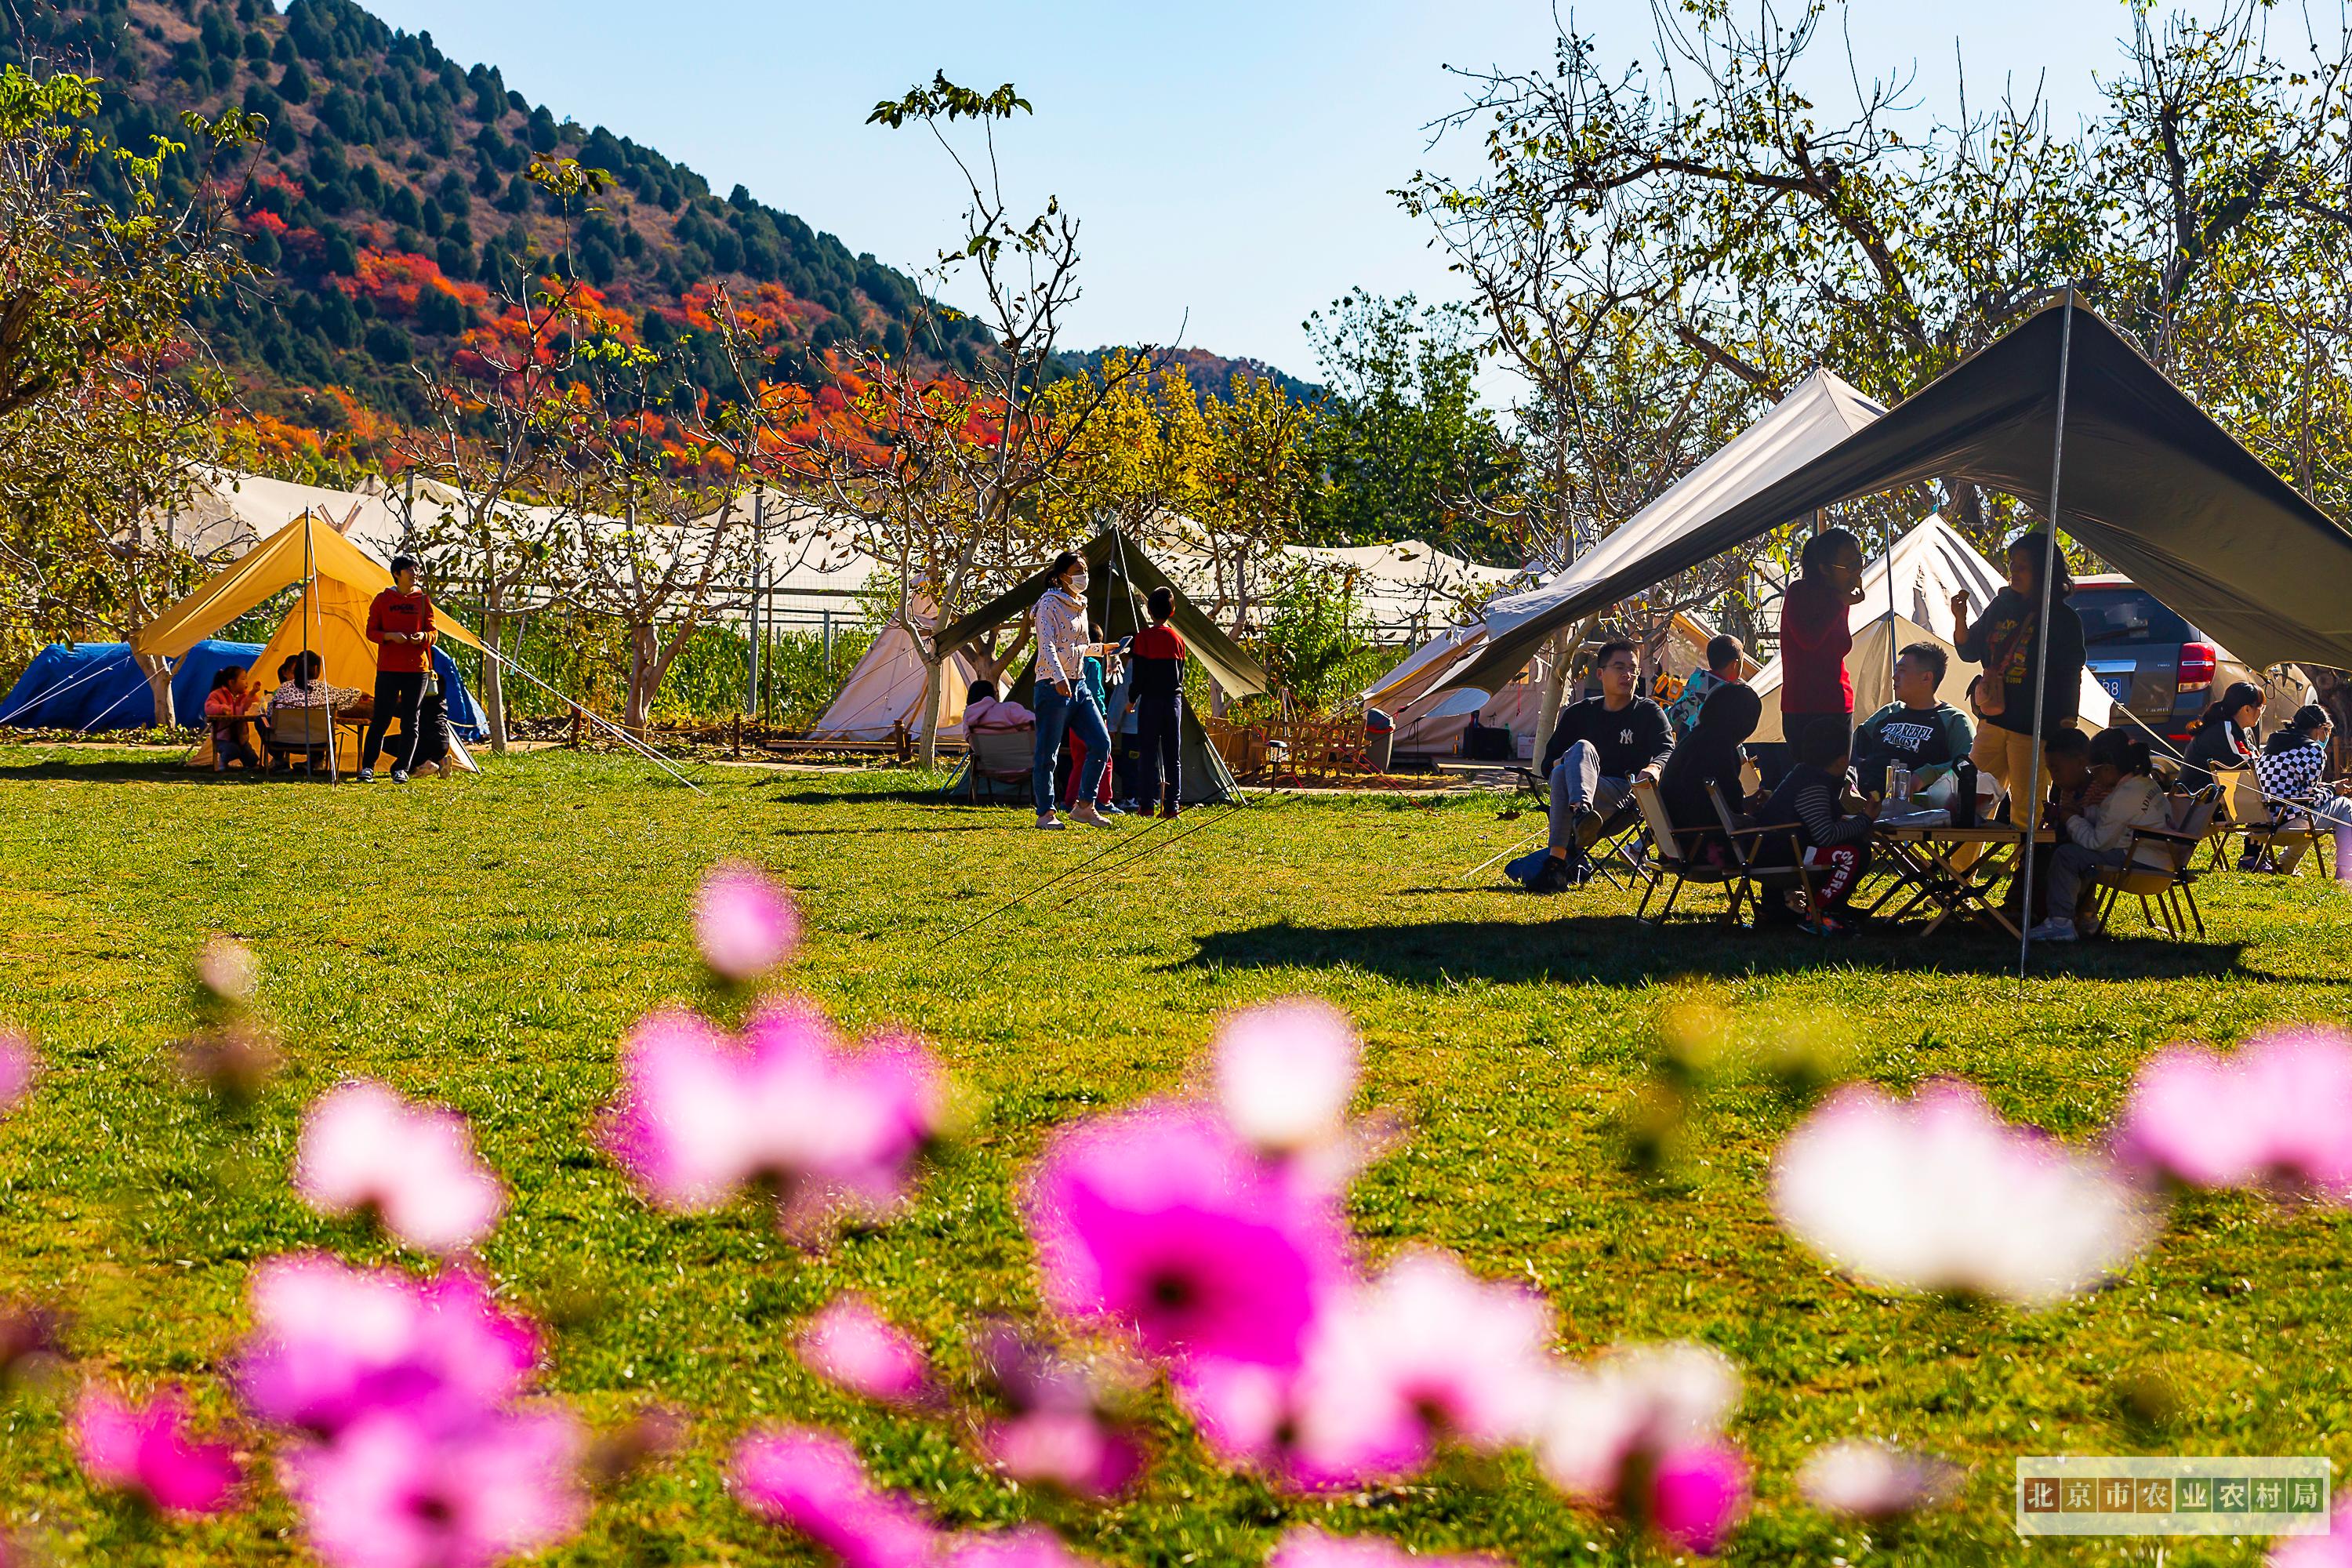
(1955, 870)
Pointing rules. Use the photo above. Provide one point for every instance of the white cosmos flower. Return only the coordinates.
(1285, 1073)
(1939, 1193)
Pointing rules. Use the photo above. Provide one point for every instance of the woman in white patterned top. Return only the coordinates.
(1061, 697)
(2291, 772)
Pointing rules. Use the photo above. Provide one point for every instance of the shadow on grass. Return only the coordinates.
(1617, 949)
(919, 794)
(117, 771)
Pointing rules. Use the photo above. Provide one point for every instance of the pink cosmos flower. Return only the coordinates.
(1612, 1419)
(1939, 1193)
(1058, 1431)
(1424, 1353)
(1030, 1548)
(1160, 1220)
(1285, 1073)
(2333, 1550)
(1076, 1450)
(678, 1126)
(225, 967)
(146, 1451)
(19, 1066)
(331, 1344)
(813, 1482)
(853, 1346)
(1872, 1480)
(393, 1492)
(745, 923)
(365, 1148)
(2276, 1116)
(827, 1129)
(1696, 1495)
(1310, 1548)
(1246, 1412)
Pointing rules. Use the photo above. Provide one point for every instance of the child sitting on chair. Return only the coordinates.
(229, 710)
(1832, 842)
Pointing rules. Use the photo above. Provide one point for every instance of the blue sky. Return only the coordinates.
(1229, 160)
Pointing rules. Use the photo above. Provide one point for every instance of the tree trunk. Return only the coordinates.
(494, 678)
(934, 690)
(1555, 682)
(159, 685)
(643, 676)
(1564, 644)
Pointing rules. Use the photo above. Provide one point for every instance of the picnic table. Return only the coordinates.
(1956, 871)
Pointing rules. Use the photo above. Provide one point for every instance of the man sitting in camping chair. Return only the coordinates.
(300, 715)
(1599, 747)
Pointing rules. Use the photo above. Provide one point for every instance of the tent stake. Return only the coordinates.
(2032, 805)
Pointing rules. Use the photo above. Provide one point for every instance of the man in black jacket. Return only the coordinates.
(1599, 747)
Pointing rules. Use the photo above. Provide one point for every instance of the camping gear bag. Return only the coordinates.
(1481, 743)
(1987, 696)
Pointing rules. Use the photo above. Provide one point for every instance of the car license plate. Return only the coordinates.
(2119, 687)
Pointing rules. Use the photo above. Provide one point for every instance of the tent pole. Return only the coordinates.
(2032, 805)
(309, 608)
(1892, 655)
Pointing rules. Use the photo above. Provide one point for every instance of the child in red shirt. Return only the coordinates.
(227, 710)
(1158, 689)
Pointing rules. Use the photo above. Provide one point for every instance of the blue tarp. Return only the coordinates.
(97, 686)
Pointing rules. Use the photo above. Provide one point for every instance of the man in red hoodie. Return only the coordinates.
(1816, 634)
(400, 623)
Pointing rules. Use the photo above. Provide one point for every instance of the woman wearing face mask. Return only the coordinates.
(1061, 698)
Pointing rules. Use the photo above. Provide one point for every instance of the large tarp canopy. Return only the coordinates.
(308, 550)
(2150, 482)
(1123, 576)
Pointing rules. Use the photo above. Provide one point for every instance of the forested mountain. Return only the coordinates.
(392, 194)
(392, 198)
(1211, 375)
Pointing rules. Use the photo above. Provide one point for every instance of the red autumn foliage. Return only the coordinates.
(395, 279)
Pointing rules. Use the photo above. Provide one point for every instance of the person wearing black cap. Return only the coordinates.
(400, 623)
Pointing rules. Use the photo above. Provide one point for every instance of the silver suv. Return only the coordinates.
(2158, 665)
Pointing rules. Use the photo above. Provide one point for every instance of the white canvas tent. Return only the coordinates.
(1907, 598)
(1400, 587)
(1821, 413)
(1430, 721)
(885, 693)
(229, 511)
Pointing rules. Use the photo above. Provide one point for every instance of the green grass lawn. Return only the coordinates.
(487, 943)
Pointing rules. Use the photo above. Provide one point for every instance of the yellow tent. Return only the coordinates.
(339, 581)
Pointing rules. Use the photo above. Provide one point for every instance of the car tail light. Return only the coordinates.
(2198, 661)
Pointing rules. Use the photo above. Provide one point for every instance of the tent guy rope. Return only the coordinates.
(596, 718)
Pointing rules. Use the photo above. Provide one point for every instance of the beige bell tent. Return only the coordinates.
(885, 693)
(1907, 598)
(329, 616)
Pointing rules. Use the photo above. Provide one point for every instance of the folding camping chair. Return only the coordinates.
(2275, 839)
(998, 757)
(305, 732)
(1747, 843)
(2168, 890)
(1620, 848)
(1677, 858)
